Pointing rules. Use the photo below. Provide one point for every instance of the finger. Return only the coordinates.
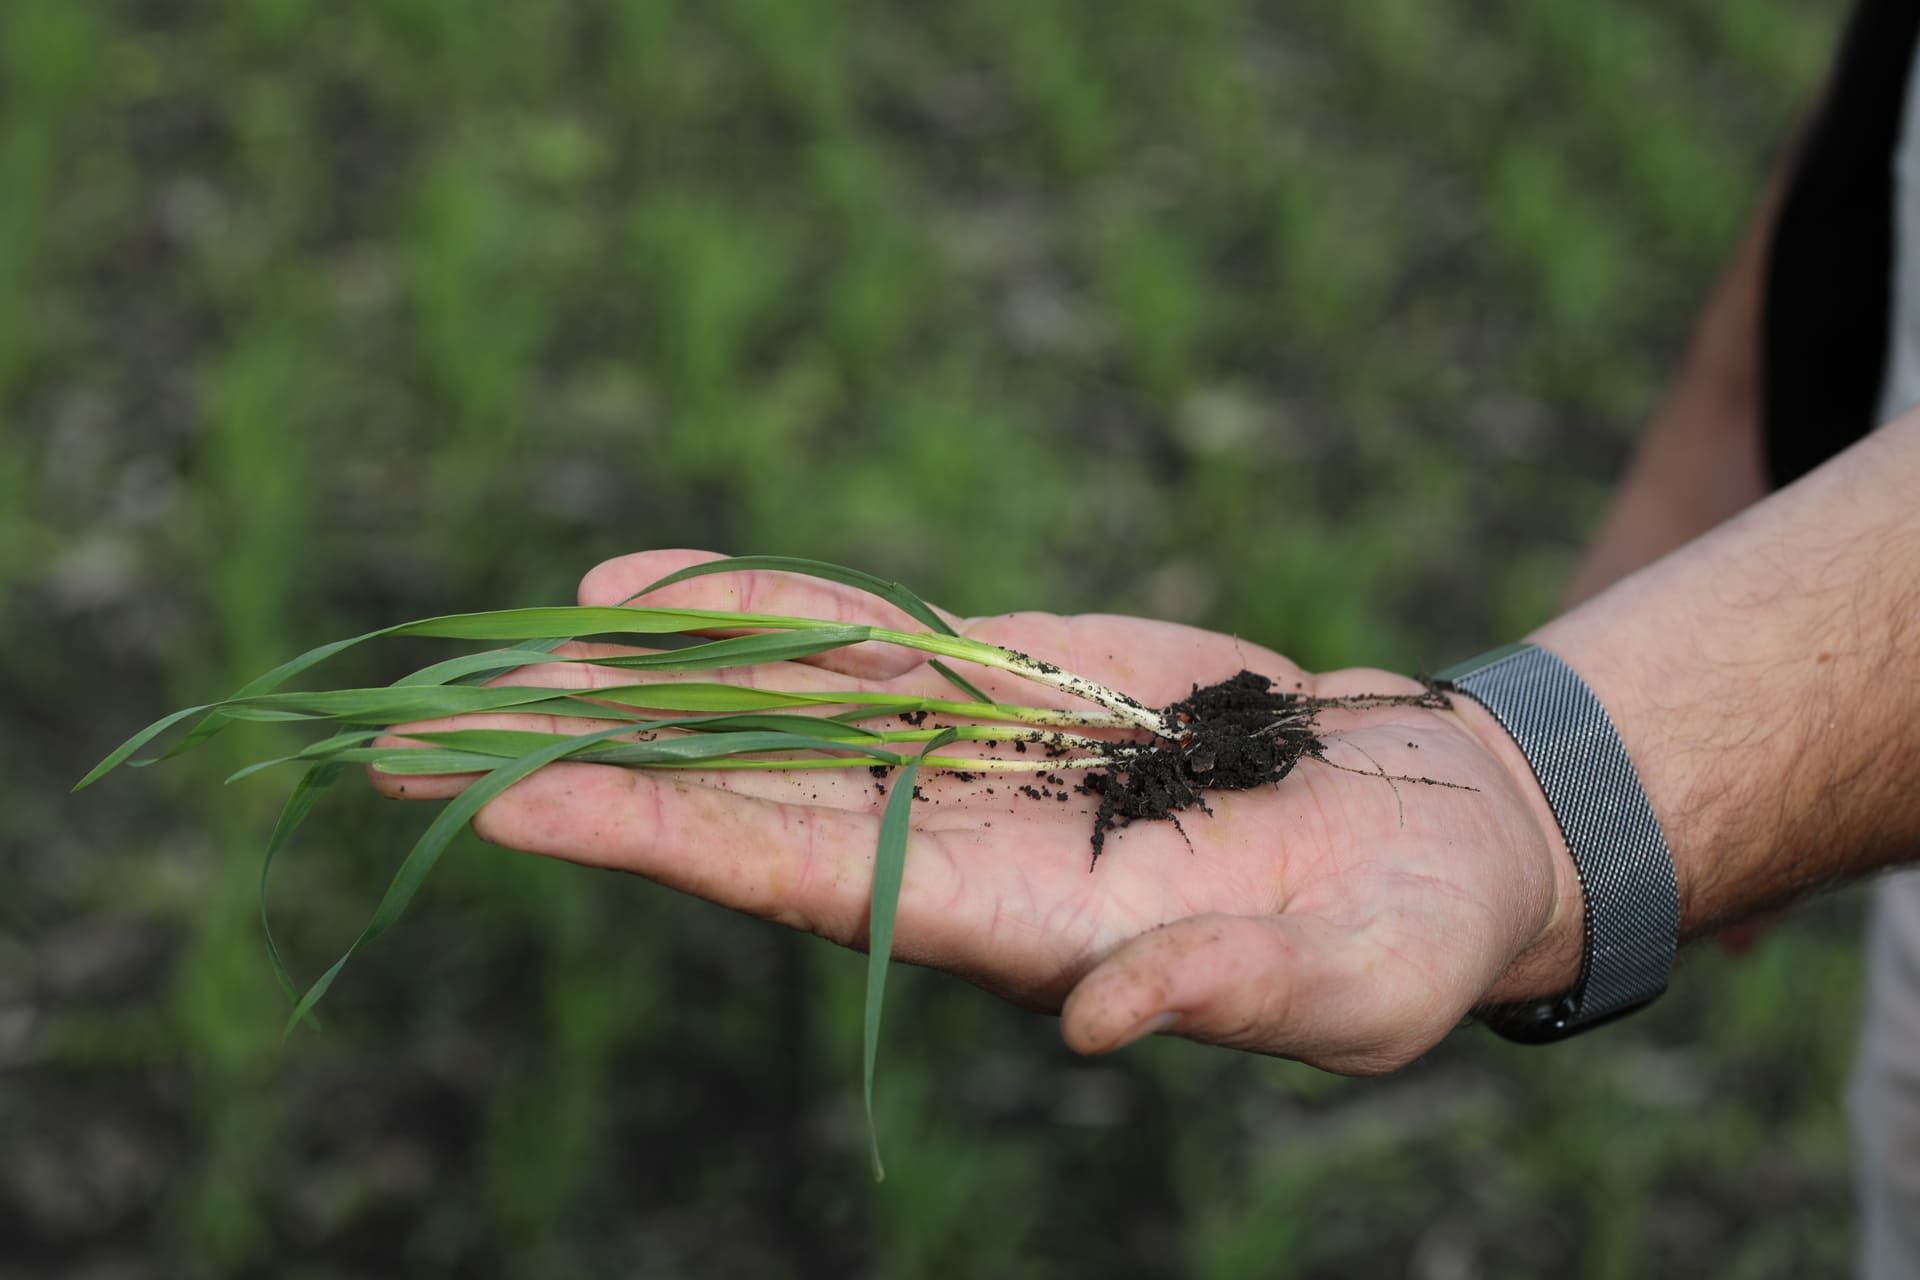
(749, 591)
(761, 591)
(1296, 986)
(852, 787)
(801, 865)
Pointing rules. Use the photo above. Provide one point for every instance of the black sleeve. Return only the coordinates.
(1829, 270)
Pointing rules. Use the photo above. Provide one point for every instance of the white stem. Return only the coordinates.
(1029, 668)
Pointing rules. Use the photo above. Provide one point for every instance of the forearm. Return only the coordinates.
(1766, 681)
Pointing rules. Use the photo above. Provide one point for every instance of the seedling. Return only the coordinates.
(1141, 762)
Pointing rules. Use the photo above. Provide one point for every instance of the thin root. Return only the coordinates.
(1388, 778)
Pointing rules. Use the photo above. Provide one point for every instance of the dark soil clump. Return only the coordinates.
(1235, 735)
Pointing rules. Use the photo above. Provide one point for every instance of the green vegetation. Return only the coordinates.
(317, 316)
(746, 724)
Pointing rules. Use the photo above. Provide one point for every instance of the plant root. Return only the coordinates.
(1231, 736)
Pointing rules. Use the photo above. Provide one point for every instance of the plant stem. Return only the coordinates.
(959, 764)
(889, 703)
(987, 655)
(991, 734)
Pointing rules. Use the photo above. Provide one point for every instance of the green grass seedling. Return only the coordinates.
(715, 725)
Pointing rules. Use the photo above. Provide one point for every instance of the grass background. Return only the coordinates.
(1327, 324)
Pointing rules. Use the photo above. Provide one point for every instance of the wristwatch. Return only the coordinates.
(1632, 918)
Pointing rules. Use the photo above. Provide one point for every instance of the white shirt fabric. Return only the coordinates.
(1885, 1099)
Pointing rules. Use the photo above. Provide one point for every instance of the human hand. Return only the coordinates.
(1341, 919)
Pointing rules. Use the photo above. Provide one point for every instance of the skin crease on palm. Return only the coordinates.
(1336, 918)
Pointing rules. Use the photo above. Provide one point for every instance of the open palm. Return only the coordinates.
(1336, 917)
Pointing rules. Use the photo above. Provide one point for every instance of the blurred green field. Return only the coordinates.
(1326, 324)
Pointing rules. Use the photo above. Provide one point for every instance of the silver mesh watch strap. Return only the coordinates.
(1626, 871)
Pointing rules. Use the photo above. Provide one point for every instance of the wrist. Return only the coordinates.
(1761, 679)
(1624, 657)
(1549, 961)
(1620, 856)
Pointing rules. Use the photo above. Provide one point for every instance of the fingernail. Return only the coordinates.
(1152, 1026)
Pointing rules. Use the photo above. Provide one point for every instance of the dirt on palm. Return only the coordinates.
(1236, 734)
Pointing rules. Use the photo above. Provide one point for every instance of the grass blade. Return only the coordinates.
(118, 756)
(478, 668)
(896, 594)
(710, 696)
(422, 760)
(778, 646)
(813, 726)
(538, 625)
(396, 703)
(742, 651)
(272, 680)
(426, 852)
(400, 706)
(701, 747)
(388, 705)
(889, 869)
(893, 593)
(477, 750)
(530, 648)
(683, 749)
(574, 621)
(306, 794)
(409, 761)
(957, 680)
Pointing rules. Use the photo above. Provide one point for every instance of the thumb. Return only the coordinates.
(1295, 986)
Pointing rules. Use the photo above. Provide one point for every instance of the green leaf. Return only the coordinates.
(272, 680)
(477, 668)
(957, 680)
(811, 726)
(306, 794)
(421, 760)
(473, 674)
(476, 750)
(683, 754)
(388, 705)
(398, 760)
(508, 744)
(431, 702)
(708, 695)
(119, 754)
(588, 620)
(741, 651)
(695, 749)
(894, 593)
(426, 852)
(889, 869)
(712, 696)
(538, 624)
